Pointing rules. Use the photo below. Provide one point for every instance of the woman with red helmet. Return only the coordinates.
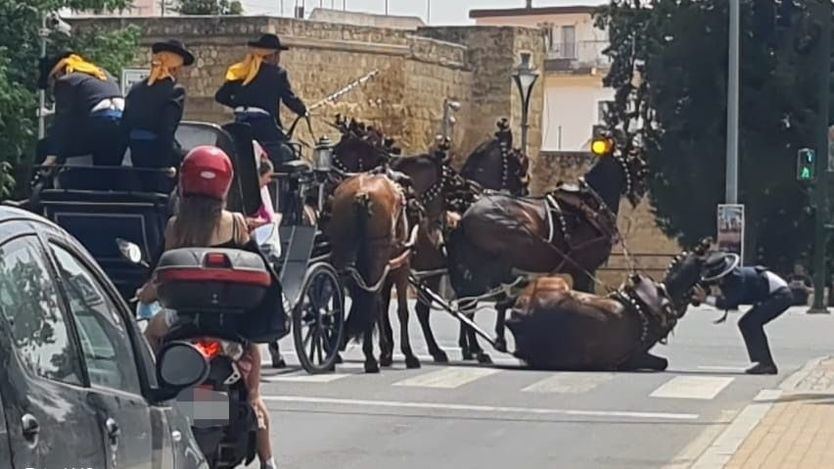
(202, 221)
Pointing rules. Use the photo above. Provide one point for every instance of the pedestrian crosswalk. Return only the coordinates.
(464, 377)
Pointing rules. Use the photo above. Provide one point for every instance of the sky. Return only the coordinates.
(443, 12)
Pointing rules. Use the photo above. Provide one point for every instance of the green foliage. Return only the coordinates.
(19, 52)
(669, 70)
(209, 7)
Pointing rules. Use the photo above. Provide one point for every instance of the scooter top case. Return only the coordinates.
(206, 280)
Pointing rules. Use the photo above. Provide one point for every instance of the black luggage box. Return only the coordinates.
(203, 280)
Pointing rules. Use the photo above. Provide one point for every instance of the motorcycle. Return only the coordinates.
(207, 292)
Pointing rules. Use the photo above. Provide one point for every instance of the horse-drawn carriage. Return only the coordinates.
(100, 205)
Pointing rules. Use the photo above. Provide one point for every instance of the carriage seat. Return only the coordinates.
(293, 167)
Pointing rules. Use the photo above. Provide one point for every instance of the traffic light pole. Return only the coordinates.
(821, 182)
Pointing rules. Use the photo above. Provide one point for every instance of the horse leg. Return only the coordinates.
(474, 346)
(371, 365)
(386, 334)
(411, 360)
(275, 351)
(501, 308)
(423, 311)
(645, 361)
(463, 342)
(583, 282)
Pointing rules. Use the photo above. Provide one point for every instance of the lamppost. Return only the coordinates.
(525, 77)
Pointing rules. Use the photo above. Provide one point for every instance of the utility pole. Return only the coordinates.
(386, 7)
(732, 104)
(821, 183)
(428, 11)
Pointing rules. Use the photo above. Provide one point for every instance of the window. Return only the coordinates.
(105, 342)
(31, 306)
(569, 42)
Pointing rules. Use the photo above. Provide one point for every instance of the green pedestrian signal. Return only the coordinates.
(806, 165)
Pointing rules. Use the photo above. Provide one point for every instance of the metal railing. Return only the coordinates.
(578, 54)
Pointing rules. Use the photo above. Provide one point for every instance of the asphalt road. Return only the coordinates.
(462, 415)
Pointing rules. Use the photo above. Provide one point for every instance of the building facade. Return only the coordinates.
(575, 97)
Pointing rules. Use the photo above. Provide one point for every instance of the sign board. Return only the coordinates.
(731, 228)
(131, 76)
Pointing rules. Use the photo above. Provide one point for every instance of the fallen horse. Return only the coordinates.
(556, 328)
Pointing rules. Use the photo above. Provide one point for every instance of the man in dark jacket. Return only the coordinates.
(88, 109)
(764, 290)
(255, 89)
(154, 108)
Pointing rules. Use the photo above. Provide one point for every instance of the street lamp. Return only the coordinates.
(525, 78)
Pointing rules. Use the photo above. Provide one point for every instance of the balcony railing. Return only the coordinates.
(567, 56)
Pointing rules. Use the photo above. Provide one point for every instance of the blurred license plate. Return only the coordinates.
(204, 406)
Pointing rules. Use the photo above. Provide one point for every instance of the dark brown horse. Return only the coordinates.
(369, 231)
(556, 328)
(571, 231)
(496, 165)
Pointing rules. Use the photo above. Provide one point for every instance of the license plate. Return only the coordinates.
(205, 407)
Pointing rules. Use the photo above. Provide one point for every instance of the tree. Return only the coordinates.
(19, 52)
(209, 7)
(669, 63)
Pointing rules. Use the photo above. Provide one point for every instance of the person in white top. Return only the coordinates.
(767, 292)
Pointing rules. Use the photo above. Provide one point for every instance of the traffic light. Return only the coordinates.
(601, 143)
(806, 165)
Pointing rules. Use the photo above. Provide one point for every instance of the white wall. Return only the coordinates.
(571, 109)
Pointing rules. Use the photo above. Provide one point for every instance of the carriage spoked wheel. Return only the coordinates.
(318, 319)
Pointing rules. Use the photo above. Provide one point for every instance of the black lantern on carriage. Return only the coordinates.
(323, 155)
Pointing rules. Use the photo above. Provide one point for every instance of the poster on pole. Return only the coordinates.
(831, 149)
(731, 228)
(131, 76)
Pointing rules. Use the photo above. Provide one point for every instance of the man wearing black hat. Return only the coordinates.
(255, 89)
(88, 108)
(767, 292)
(154, 108)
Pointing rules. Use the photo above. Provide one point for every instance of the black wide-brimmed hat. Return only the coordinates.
(718, 265)
(175, 46)
(268, 41)
(45, 66)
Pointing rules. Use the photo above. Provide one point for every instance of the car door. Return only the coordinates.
(109, 358)
(45, 390)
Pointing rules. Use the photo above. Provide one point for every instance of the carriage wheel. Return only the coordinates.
(318, 319)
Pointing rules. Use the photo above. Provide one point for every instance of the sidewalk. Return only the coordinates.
(797, 431)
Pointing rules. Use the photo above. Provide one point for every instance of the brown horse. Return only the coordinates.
(369, 234)
(571, 231)
(556, 328)
(496, 165)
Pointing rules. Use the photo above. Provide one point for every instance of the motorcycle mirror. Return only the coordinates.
(130, 251)
(181, 365)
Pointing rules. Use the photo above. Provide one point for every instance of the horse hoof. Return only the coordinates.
(501, 345)
(661, 364)
(371, 367)
(338, 360)
(412, 362)
(484, 359)
(440, 357)
(278, 362)
(467, 356)
(385, 361)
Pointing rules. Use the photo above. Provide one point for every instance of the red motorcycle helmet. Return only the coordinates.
(206, 171)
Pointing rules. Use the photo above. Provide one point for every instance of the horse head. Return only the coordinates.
(497, 165)
(623, 173)
(361, 147)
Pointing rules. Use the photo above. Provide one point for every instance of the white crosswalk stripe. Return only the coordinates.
(692, 387)
(447, 378)
(569, 383)
(304, 378)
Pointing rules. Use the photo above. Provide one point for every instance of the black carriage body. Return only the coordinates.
(208, 280)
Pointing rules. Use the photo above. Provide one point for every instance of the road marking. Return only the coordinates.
(447, 378)
(482, 408)
(692, 387)
(725, 446)
(569, 383)
(725, 369)
(325, 378)
(696, 447)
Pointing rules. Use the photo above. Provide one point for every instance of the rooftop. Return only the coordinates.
(551, 10)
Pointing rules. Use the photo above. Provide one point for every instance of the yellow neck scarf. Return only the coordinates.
(74, 63)
(248, 69)
(163, 65)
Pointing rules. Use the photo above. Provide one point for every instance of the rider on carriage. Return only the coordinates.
(255, 88)
(88, 109)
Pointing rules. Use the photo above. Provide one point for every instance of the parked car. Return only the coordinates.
(78, 384)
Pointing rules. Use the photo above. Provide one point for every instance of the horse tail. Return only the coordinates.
(364, 310)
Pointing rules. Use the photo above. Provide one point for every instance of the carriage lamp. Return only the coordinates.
(525, 78)
(323, 155)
